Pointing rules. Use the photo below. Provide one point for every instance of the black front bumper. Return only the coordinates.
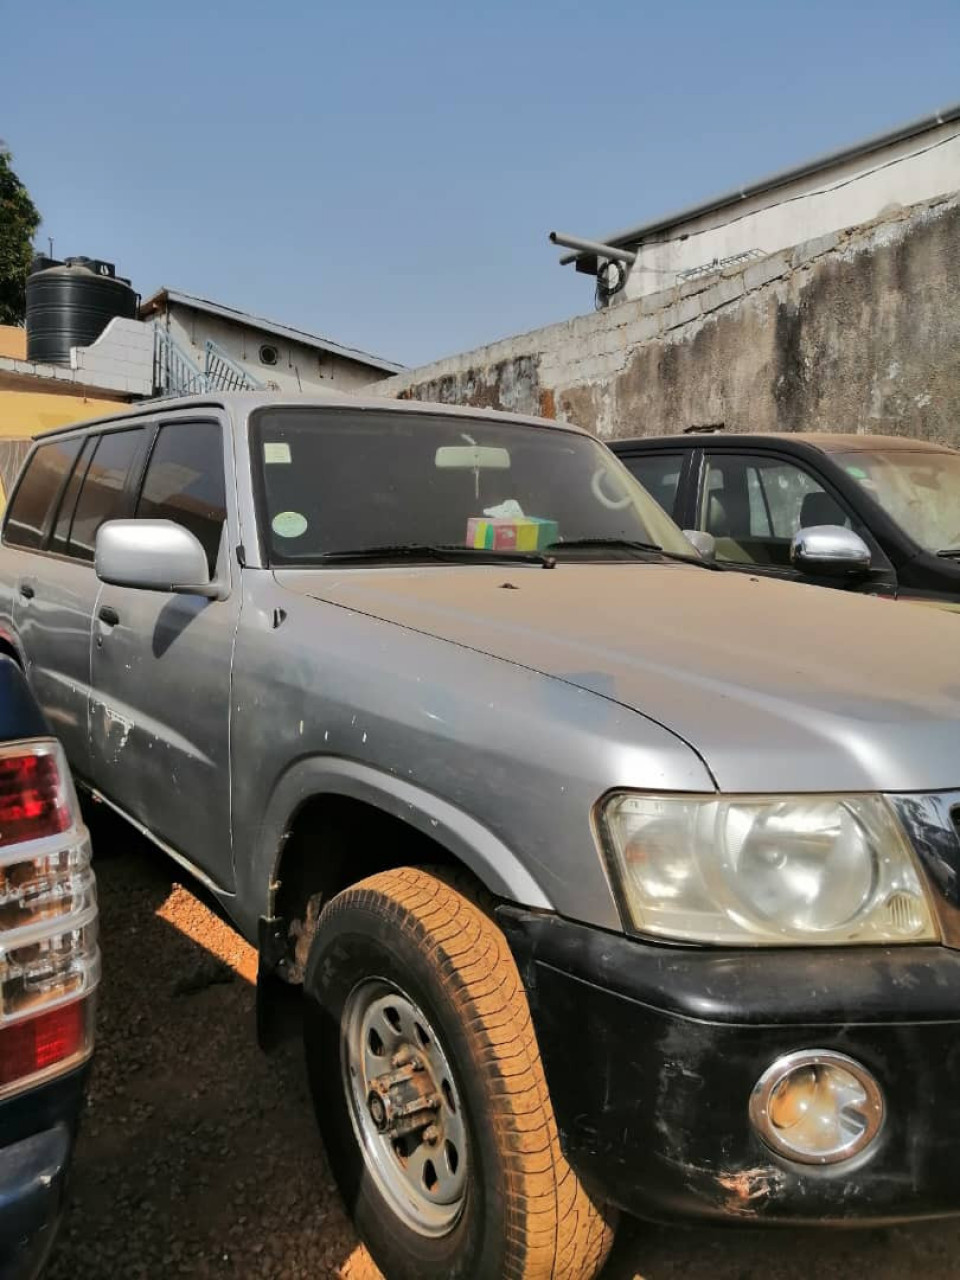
(37, 1132)
(651, 1054)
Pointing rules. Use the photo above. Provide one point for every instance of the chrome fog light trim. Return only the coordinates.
(817, 1107)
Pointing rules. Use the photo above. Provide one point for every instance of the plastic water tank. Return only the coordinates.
(69, 304)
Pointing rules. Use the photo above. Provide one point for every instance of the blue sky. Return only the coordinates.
(387, 173)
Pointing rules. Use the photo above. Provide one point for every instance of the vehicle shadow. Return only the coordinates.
(199, 1155)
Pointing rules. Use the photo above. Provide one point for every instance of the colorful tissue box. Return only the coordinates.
(515, 533)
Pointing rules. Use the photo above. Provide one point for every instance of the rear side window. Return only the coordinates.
(38, 491)
(101, 493)
(659, 473)
(68, 503)
(184, 482)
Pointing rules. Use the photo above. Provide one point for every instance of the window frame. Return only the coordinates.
(52, 511)
(880, 562)
(49, 549)
(686, 459)
(134, 469)
(220, 575)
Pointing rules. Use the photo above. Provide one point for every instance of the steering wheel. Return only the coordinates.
(612, 504)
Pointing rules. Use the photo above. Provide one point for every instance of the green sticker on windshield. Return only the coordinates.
(289, 524)
(858, 473)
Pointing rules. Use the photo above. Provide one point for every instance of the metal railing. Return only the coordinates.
(176, 373)
(224, 374)
(174, 370)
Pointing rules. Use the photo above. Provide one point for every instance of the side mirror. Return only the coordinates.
(829, 550)
(705, 544)
(153, 555)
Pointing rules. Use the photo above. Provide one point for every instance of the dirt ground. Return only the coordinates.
(199, 1156)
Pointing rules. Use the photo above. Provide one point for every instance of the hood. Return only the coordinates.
(776, 685)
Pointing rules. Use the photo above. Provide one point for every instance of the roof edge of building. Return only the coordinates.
(164, 294)
(633, 235)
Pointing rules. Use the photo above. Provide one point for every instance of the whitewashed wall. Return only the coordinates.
(843, 196)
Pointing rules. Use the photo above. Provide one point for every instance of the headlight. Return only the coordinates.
(764, 870)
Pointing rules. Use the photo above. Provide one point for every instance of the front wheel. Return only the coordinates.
(430, 1093)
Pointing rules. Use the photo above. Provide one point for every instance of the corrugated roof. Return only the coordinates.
(157, 300)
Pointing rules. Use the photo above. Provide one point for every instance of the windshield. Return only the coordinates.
(921, 491)
(336, 481)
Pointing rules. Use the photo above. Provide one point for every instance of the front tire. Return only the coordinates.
(448, 1158)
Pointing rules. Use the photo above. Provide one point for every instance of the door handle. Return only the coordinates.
(108, 615)
(27, 591)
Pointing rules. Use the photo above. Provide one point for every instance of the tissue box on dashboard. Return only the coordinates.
(519, 533)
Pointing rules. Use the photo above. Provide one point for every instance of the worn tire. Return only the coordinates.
(525, 1215)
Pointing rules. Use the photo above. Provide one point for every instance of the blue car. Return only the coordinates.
(49, 970)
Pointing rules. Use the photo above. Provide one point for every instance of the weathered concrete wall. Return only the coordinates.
(853, 331)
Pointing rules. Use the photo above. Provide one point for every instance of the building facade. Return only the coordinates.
(855, 329)
(851, 187)
(271, 355)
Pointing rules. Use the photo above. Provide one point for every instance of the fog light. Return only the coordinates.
(817, 1107)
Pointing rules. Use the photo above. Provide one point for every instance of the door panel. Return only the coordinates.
(56, 593)
(161, 668)
(54, 624)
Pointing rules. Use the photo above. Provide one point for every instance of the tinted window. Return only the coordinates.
(38, 491)
(659, 473)
(68, 503)
(753, 506)
(101, 494)
(184, 482)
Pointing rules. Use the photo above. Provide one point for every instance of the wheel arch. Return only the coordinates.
(332, 822)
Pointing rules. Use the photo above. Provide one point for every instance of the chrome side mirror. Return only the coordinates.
(705, 544)
(153, 555)
(829, 550)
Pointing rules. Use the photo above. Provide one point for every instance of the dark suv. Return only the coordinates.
(755, 493)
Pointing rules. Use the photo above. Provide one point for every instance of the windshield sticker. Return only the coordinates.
(275, 451)
(289, 524)
(858, 473)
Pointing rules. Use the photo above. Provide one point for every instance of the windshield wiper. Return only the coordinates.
(447, 553)
(950, 553)
(628, 544)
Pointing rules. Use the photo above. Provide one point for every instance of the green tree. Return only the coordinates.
(19, 221)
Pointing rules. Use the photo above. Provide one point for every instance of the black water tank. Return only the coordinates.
(70, 304)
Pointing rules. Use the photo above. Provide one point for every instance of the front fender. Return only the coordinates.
(491, 861)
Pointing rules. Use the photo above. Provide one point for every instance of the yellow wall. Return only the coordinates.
(27, 413)
(13, 342)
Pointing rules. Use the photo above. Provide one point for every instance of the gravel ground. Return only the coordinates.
(199, 1156)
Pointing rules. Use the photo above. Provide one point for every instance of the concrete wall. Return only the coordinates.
(853, 331)
(845, 195)
(299, 367)
(121, 358)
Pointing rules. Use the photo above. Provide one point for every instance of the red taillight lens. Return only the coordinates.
(36, 1044)
(32, 799)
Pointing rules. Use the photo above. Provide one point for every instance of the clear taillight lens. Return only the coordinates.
(49, 958)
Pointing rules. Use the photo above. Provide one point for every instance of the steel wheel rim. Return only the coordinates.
(392, 1059)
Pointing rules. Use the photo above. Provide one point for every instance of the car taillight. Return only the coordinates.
(49, 958)
(32, 801)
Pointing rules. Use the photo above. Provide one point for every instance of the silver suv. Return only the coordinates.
(612, 880)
